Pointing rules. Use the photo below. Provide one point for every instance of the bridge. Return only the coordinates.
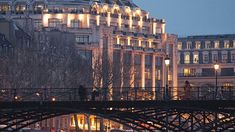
(137, 108)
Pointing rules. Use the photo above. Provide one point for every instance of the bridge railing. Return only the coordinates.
(117, 94)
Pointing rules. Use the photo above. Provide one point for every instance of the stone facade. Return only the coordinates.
(197, 56)
(121, 39)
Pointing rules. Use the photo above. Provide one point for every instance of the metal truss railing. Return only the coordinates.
(116, 94)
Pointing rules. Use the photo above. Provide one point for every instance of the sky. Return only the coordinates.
(193, 17)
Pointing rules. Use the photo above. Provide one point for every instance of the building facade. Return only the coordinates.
(198, 55)
(122, 40)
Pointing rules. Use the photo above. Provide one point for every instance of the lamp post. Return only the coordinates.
(167, 63)
(216, 67)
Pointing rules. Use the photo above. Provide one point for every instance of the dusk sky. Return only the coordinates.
(193, 17)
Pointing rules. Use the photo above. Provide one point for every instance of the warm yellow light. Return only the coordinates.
(130, 22)
(163, 26)
(120, 20)
(53, 99)
(70, 17)
(138, 11)
(88, 20)
(216, 67)
(167, 61)
(150, 43)
(80, 17)
(140, 23)
(108, 19)
(105, 8)
(139, 43)
(118, 40)
(98, 20)
(154, 28)
(128, 40)
(45, 19)
(127, 9)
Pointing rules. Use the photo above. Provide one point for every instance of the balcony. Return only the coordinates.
(205, 75)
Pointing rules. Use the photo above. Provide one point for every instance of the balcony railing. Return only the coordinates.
(116, 94)
(204, 75)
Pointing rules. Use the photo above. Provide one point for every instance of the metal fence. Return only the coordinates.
(116, 94)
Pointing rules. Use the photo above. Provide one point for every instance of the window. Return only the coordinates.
(4, 8)
(54, 22)
(122, 41)
(226, 44)
(20, 8)
(82, 39)
(207, 44)
(75, 23)
(187, 59)
(214, 57)
(233, 57)
(189, 72)
(186, 72)
(134, 42)
(189, 45)
(179, 45)
(216, 44)
(207, 72)
(233, 43)
(195, 59)
(205, 58)
(227, 72)
(198, 45)
(224, 57)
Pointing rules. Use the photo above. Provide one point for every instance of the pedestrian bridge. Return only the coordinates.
(137, 108)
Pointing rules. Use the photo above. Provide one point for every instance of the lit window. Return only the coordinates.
(20, 8)
(189, 45)
(233, 43)
(4, 8)
(75, 23)
(82, 39)
(187, 59)
(207, 44)
(195, 59)
(216, 44)
(198, 45)
(226, 44)
(186, 72)
(179, 45)
(54, 22)
(122, 41)
(224, 57)
(205, 58)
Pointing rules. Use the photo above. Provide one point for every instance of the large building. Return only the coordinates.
(198, 55)
(122, 40)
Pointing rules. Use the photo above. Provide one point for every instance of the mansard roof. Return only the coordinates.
(129, 3)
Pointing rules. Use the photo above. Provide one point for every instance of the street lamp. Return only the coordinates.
(167, 63)
(216, 67)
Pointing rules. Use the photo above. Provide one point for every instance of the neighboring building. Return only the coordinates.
(128, 46)
(197, 56)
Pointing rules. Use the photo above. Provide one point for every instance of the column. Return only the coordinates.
(154, 76)
(163, 72)
(143, 70)
(122, 70)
